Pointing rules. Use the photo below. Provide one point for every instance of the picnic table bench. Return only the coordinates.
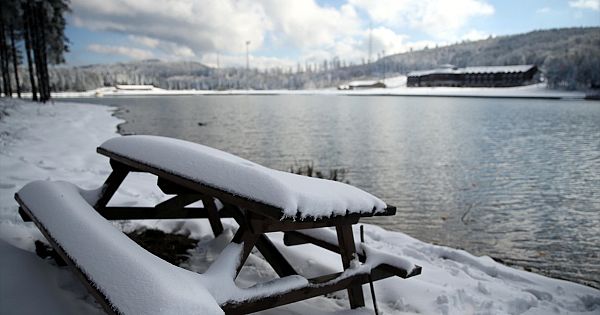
(261, 200)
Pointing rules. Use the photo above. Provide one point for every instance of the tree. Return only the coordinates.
(5, 54)
(15, 59)
(41, 25)
(26, 18)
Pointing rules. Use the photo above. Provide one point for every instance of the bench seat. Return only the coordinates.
(126, 279)
(372, 257)
(130, 279)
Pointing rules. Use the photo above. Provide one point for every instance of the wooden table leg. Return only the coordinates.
(274, 257)
(245, 236)
(112, 183)
(347, 251)
(213, 215)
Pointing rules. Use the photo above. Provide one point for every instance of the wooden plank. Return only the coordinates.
(150, 213)
(297, 238)
(261, 224)
(273, 256)
(24, 215)
(248, 239)
(347, 250)
(196, 186)
(170, 188)
(317, 287)
(226, 197)
(213, 215)
(111, 184)
(100, 297)
(179, 201)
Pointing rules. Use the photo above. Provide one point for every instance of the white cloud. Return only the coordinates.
(197, 29)
(439, 18)
(133, 53)
(144, 40)
(585, 4)
(260, 62)
(384, 39)
(543, 10)
(199, 25)
(305, 24)
(189, 28)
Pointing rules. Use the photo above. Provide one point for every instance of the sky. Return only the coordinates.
(284, 33)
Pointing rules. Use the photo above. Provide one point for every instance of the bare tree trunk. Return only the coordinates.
(28, 29)
(5, 56)
(44, 46)
(43, 52)
(15, 61)
(37, 48)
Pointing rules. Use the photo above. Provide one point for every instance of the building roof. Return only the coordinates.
(468, 70)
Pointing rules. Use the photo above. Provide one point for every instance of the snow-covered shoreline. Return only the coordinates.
(57, 141)
(395, 88)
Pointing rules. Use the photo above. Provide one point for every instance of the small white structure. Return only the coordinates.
(126, 87)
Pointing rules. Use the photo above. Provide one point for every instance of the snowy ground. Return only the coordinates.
(396, 87)
(58, 141)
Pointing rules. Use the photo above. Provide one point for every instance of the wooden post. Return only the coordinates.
(347, 251)
(213, 215)
(274, 257)
(246, 237)
(112, 183)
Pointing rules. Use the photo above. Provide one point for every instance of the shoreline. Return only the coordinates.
(536, 91)
(453, 280)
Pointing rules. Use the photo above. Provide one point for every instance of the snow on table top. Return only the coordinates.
(134, 280)
(294, 194)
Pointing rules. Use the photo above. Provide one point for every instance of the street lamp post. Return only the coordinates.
(247, 56)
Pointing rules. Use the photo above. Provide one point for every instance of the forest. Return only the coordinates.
(568, 58)
(37, 28)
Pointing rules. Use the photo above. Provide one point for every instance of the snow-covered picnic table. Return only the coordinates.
(260, 199)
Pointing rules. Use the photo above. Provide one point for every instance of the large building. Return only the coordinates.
(497, 76)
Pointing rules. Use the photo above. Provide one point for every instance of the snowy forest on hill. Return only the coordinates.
(569, 59)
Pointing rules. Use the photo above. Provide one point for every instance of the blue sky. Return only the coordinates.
(287, 32)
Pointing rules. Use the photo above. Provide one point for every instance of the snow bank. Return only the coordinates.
(396, 86)
(57, 141)
(297, 195)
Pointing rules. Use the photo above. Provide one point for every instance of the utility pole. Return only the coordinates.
(247, 56)
(383, 61)
(247, 65)
(370, 42)
(370, 47)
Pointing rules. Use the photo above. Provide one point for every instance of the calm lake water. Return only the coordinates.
(518, 180)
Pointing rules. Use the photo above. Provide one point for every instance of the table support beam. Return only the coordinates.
(112, 183)
(347, 252)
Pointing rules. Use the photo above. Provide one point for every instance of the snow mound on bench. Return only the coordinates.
(134, 280)
(295, 194)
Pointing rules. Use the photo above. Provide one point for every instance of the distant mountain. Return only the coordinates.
(151, 71)
(569, 59)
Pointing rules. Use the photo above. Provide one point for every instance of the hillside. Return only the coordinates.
(569, 59)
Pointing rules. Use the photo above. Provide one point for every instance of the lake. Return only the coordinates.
(515, 179)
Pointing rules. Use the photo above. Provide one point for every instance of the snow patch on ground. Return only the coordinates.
(57, 141)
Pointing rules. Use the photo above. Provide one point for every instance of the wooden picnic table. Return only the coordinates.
(255, 219)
